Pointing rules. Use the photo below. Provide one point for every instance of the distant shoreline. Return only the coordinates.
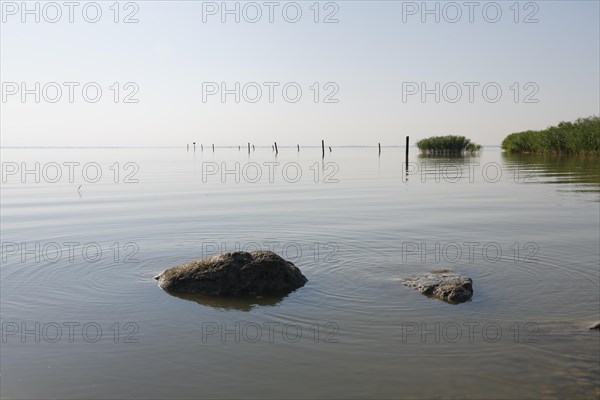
(220, 147)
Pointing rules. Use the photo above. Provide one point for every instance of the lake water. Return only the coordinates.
(82, 316)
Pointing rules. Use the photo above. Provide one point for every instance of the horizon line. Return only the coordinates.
(216, 146)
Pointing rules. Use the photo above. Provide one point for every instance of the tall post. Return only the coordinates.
(379, 144)
(276, 151)
(298, 147)
(188, 147)
(323, 147)
(194, 146)
(406, 157)
(201, 147)
(248, 147)
(213, 148)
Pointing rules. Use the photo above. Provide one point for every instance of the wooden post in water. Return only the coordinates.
(194, 146)
(298, 148)
(188, 147)
(379, 144)
(239, 148)
(323, 147)
(330, 149)
(248, 147)
(253, 149)
(406, 157)
(213, 147)
(276, 151)
(201, 147)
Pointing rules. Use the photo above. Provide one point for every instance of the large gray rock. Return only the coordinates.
(444, 285)
(235, 274)
(596, 326)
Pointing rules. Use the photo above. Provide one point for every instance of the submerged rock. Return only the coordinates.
(596, 326)
(444, 285)
(234, 274)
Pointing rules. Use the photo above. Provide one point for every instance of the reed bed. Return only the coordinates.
(449, 144)
(579, 137)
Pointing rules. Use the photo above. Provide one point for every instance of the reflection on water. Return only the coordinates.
(449, 157)
(230, 303)
(580, 171)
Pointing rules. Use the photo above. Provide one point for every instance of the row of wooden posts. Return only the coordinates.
(274, 148)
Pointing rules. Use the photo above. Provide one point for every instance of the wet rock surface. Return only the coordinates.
(444, 285)
(234, 274)
(595, 326)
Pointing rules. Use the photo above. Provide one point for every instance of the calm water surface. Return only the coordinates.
(525, 229)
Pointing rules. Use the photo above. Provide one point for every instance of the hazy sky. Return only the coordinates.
(375, 61)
